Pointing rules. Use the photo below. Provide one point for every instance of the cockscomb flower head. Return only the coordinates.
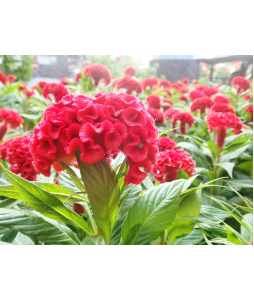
(153, 101)
(185, 80)
(169, 103)
(170, 162)
(196, 94)
(130, 71)
(8, 118)
(149, 82)
(222, 107)
(79, 209)
(17, 152)
(183, 90)
(157, 115)
(165, 83)
(11, 78)
(210, 91)
(221, 99)
(55, 89)
(77, 77)
(3, 78)
(98, 73)
(170, 112)
(185, 118)
(167, 91)
(249, 109)
(201, 104)
(177, 85)
(22, 87)
(183, 98)
(28, 93)
(166, 143)
(202, 87)
(130, 84)
(241, 84)
(96, 126)
(64, 81)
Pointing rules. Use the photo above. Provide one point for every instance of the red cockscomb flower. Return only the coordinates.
(79, 209)
(8, 118)
(249, 109)
(210, 91)
(166, 91)
(169, 102)
(201, 104)
(157, 115)
(170, 112)
(96, 126)
(17, 152)
(183, 98)
(196, 94)
(170, 162)
(202, 87)
(185, 118)
(166, 143)
(165, 83)
(77, 77)
(3, 78)
(221, 99)
(130, 84)
(153, 101)
(28, 93)
(130, 71)
(241, 84)
(98, 73)
(222, 107)
(183, 90)
(57, 90)
(185, 80)
(222, 121)
(22, 87)
(11, 78)
(64, 81)
(177, 85)
(149, 82)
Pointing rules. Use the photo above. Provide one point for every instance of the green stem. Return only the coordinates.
(215, 170)
(162, 241)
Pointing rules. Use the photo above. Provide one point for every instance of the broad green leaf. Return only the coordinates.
(9, 236)
(148, 183)
(249, 218)
(247, 166)
(188, 182)
(8, 203)
(117, 229)
(195, 237)
(152, 213)
(35, 225)
(93, 240)
(228, 166)
(211, 226)
(212, 146)
(214, 214)
(240, 184)
(182, 225)
(232, 237)
(129, 196)
(103, 191)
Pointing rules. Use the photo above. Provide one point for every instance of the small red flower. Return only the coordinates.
(185, 80)
(170, 112)
(209, 91)
(201, 104)
(183, 98)
(183, 90)
(157, 115)
(149, 82)
(98, 73)
(57, 90)
(166, 143)
(64, 81)
(130, 84)
(241, 84)
(221, 99)
(28, 93)
(222, 107)
(11, 78)
(77, 77)
(184, 118)
(153, 101)
(169, 102)
(79, 209)
(249, 109)
(249, 97)
(177, 85)
(195, 81)
(22, 87)
(196, 94)
(165, 83)
(130, 71)
(8, 118)
(3, 78)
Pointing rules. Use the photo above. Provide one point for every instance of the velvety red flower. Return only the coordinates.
(98, 127)
(201, 104)
(177, 85)
(157, 115)
(183, 98)
(130, 84)
(169, 102)
(166, 143)
(165, 83)
(98, 73)
(79, 209)
(8, 118)
(57, 90)
(222, 107)
(17, 152)
(222, 121)
(170, 162)
(170, 112)
(22, 87)
(185, 80)
(183, 90)
(249, 109)
(202, 87)
(221, 99)
(28, 93)
(77, 77)
(241, 84)
(3, 78)
(149, 82)
(166, 91)
(130, 71)
(196, 94)
(209, 91)
(11, 78)
(184, 118)
(64, 81)
(153, 101)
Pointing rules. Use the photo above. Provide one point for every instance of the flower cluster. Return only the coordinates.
(98, 73)
(166, 143)
(11, 78)
(241, 84)
(221, 99)
(169, 103)
(3, 78)
(130, 71)
(130, 84)
(153, 101)
(184, 118)
(96, 126)
(249, 109)
(210, 91)
(170, 162)
(201, 104)
(9, 118)
(165, 83)
(185, 80)
(149, 82)
(157, 115)
(57, 90)
(222, 107)
(17, 152)
(196, 94)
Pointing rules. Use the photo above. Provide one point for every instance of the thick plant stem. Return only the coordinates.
(215, 170)
(162, 241)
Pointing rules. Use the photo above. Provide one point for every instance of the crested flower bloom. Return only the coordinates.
(8, 118)
(3, 78)
(28, 93)
(79, 209)
(77, 77)
(157, 115)
(170, 162)
(17, 152)
(130, 84)
(184, 118)
(11, 78)
(183, 90)
(170, 112)
(96, 126)
(222, 107)
(55, 89)
(201, 104)
(98, 73)
(249, 109)
(177, 85)
(169, 103)
(153, 101)
(185, 80)
(149, 82)
(166, 143)
(220, 122)
(221, 99)
(130, 71)
(196, 94)
(183, 98)
(165, 83)
(64, 81)
(167, 91)
(241, 84)
(22, 87)
(209, 91)
(202, 87)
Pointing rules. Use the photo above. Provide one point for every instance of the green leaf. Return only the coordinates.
(212, 146)
(148, 183)
(195, 237)
(182, 225)
(129, 196)
(35, 225)
(247, 218)
(9, 236)
(228, 166)
(214, 214)
(93, 240)
(232, 237)
(188, 182)
(152, 213)
(103, 192)
(44, 202)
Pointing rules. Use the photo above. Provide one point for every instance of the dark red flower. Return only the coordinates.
(170, 112)
(241, 84)
(130, 71)
(149, 82)
(249, 109)
(201, 104)
(196, 94)
(157, 115)
(184, 118)
(99, 127)
(169, 102)
(79, 209)
(153, 101)
(170, 162)
(17, 152)
(222, 107)
(3, 78)
(209, 91)
(185, 80)
(8, 118)
(28, 93)
(166, 143)
(22, 87)
(165, 83)
(183, 98)
(11, 78)
(130, 84)
(98, 73)
(221, 99)
(64, 81)
(57, 90)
